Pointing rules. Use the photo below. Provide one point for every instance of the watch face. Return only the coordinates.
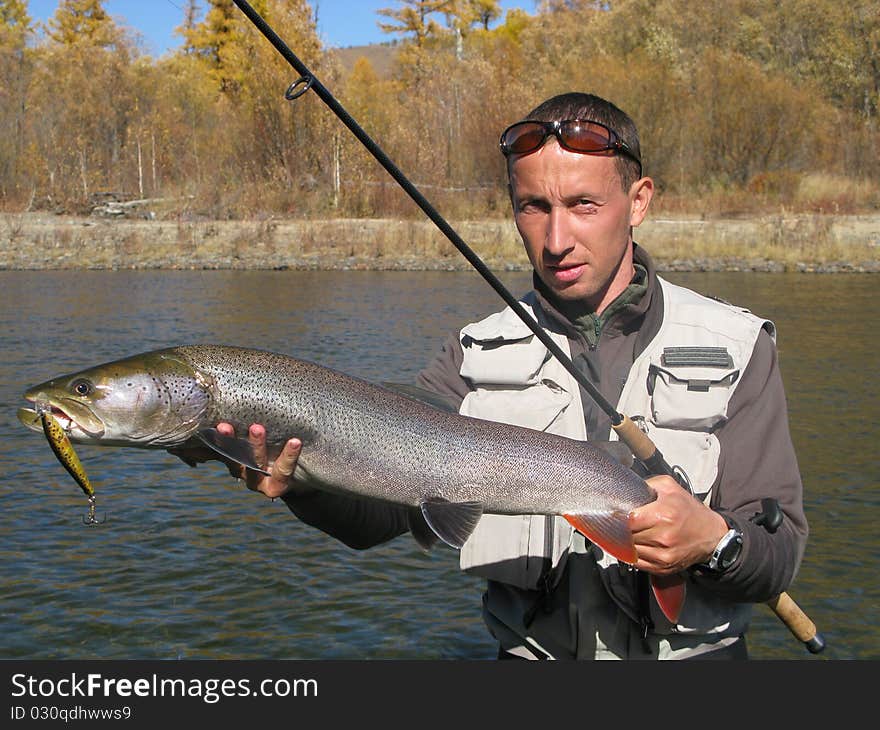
(730, 552)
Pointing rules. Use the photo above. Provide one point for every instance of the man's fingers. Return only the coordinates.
(257, 439)
(226, 429)
(285, 464)
(235, 469)
(279, 481)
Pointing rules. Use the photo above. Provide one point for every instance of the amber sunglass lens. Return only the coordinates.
(586, 137)
(524, 138)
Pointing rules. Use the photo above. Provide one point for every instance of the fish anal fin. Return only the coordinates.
(669, 591)
(235, 449)
(420, 529)
(452, 522)
(609, 530)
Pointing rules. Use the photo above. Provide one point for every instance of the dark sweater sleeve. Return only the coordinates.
(358, 522)
(362, 523)
(442, 373)
(757, 461)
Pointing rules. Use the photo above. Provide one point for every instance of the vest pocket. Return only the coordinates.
(536, 407)
(689, 397)
(696, 453)
(516, 549)
(503, 361)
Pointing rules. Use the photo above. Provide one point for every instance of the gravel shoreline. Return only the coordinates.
(809, 244)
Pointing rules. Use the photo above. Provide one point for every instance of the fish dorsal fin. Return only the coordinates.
(420, 529)
(236, 449)
(423, 395)
(453, 522)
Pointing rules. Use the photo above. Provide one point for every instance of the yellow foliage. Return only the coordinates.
(763, 106)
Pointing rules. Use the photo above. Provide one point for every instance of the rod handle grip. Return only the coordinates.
(639, 443)
(797, 622)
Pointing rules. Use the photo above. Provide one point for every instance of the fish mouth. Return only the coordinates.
(75, 418)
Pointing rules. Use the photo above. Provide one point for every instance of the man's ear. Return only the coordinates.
(641, 194)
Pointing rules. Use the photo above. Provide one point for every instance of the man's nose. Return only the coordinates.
(558, 240)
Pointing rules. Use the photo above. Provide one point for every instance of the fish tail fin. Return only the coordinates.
(609, 530)
(669, 590)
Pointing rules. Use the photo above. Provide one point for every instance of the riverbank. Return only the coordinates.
(36, 241)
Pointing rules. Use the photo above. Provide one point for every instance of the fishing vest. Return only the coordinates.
(677, 391)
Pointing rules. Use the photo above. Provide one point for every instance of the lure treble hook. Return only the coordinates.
(90, 518)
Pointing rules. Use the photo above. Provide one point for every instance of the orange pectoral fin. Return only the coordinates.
(669, 590)
(610, 531)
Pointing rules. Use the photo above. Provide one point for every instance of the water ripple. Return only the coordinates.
(191, 565)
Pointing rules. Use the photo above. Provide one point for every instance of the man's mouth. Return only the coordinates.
(567, 274)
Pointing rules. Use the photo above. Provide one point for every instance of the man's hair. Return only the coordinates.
(577, 105)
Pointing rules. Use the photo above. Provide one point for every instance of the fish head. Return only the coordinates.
(152, 400)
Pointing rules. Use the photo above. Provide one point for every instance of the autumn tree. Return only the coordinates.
(369, 98)
(15, 71)
(485, 11)
(187, 29)
(413, 20)
(729, 105)
(187, 128)
(81, 95)
(211, 38)
(462, 15)
(15, 24)
(285, 144)
(83, 23)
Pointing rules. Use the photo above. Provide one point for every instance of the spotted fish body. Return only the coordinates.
(358, 438)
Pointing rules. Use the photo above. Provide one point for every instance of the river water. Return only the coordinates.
(191, 565)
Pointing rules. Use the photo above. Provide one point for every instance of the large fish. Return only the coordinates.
(358, 438)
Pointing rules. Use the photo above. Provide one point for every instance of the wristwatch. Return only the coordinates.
(726, 551)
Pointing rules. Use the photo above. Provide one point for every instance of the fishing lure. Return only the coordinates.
(63, 449)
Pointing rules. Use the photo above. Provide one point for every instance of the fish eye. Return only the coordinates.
(82, 387)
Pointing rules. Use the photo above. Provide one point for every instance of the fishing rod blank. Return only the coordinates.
(642, 446)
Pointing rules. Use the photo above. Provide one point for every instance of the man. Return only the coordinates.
(698, 375)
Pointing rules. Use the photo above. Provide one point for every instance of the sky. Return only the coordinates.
(340, 22)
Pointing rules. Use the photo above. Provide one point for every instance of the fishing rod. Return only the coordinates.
(642, 447)
(638, 442)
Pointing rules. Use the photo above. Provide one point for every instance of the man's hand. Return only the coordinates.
(675, 531)
(280, 480)
(278, 483)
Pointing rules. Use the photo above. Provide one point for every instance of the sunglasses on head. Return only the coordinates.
(576, 135)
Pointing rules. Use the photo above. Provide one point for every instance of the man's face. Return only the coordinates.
(574, 218)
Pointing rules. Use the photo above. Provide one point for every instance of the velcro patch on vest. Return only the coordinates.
(711, 357)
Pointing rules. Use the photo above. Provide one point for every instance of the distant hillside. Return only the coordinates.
(380, 55)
